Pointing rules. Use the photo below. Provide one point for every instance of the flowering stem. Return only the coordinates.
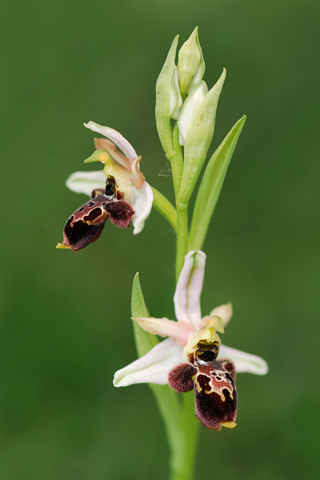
(184, 432)
(178, 160)
(165, 208)
(182, 236)
(192, 430)
(183, 454)
(176, 168)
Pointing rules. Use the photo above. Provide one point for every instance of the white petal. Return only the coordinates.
(223, 311)
(154, 367)
(187, 296)
(142, 205)
(115, 136)
(244, 362)
(85, 182)
(178, 331)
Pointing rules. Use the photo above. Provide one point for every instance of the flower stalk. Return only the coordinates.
(165, 208)
(193, 127)
(182, 236)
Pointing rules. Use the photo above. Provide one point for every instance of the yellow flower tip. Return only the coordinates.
(229, 424)
(210, 322)
(103, 157)
(62, 246)
(217, 323)
(98, 156)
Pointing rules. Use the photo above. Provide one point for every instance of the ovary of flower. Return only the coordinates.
(186, 333)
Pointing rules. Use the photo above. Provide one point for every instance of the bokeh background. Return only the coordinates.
(65, 317)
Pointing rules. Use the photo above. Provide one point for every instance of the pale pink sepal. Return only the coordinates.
(105, 144)
(137, 176)
(244, 362)
(115, 136)
(129, 160)
(178, 331)
(187, 296)
(142, 200)
(154, 367)
(85, 182)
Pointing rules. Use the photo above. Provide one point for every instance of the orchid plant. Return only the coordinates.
(191, 358)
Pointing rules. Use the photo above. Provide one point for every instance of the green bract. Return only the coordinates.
(168, 97)
(144, 340)
(198, 139)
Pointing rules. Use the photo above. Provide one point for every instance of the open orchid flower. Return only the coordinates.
(119, 192)
(193, 357)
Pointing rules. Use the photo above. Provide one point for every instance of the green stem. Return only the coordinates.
(176, 171)
(178, 160)
(165, 208)
(179, 418)
(191, 431)
(182, 236)
(182, 428)
(170, 412)
(183, 458)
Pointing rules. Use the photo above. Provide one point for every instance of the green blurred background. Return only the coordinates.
(65, 317)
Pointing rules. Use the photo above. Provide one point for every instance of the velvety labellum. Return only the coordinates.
(214, 387)
(86, 224)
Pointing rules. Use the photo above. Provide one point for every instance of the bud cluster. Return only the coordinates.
(182, 95)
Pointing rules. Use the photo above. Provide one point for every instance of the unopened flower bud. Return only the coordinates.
(198, 137)
(169, 100)
(168, 97)
(189, 109)
(191, 64)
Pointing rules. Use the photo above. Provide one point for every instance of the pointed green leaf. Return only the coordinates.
(144, 340)
(211, 185)
(165, 397)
